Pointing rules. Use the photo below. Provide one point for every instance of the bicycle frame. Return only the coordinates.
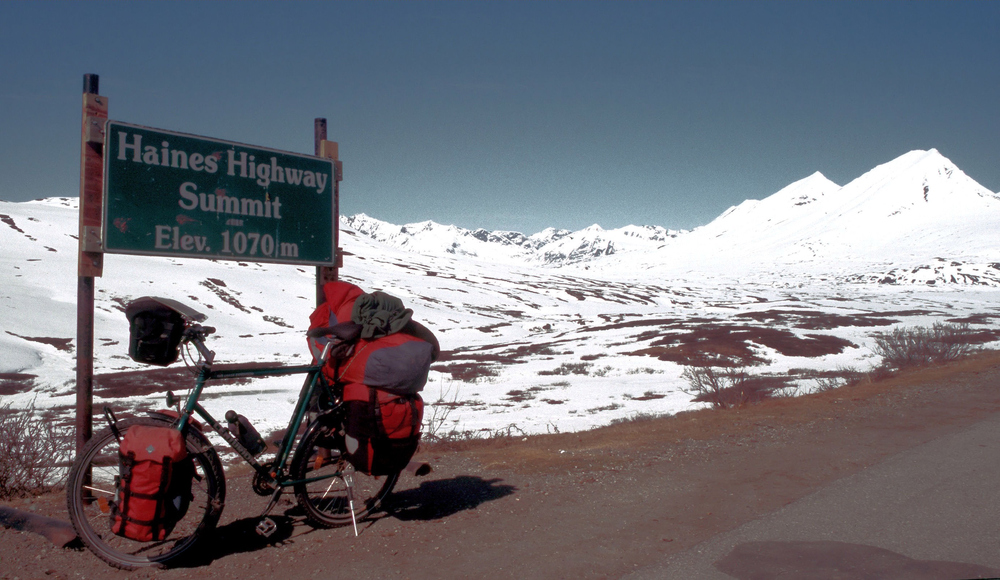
(276, 473)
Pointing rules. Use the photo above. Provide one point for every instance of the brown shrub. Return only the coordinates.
(726, 388)
(917, 346)
(33, 452)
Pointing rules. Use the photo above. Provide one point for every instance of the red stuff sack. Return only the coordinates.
(382, 429)
(154, 488)
(340, 298)
(398, 362)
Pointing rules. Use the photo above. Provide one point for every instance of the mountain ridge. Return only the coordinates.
(917, 206)
(906, 213)
(550, 246)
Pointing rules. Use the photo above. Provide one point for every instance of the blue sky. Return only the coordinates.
(519, 115)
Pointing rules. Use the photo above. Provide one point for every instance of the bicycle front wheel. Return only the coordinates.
(329, 485)
(92, 485)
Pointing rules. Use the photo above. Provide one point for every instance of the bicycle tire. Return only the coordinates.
(92, 521)
(325, 501)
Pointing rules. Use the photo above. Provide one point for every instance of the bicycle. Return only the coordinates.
(327, 487)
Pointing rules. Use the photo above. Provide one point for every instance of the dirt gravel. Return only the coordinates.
(596, 504)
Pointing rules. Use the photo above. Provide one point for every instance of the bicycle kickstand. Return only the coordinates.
(267, 527)
(349, 482)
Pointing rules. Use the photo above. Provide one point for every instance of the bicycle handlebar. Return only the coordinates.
(197, 332)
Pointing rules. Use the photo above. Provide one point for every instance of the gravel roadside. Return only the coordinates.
(596, 504)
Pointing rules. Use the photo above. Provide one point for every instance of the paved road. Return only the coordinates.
(930, 512)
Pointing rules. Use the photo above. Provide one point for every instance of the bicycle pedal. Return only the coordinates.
(266, 527)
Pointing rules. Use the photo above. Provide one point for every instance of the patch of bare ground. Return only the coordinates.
(595, 504)
(14, 383)
(63, 344)
(468, 364)
(149, 381)
(729, 345)
(981, 318)
(664, 322)
(815, 320)
(492, 327)
(216, 286)
(468, 372)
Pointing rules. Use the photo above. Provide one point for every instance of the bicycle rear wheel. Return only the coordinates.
(320, 464)
(92, 484)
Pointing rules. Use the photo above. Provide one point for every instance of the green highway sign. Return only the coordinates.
(173, 194)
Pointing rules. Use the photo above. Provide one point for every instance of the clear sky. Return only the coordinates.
(519, 115)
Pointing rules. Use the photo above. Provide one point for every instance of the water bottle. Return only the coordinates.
(241, 428)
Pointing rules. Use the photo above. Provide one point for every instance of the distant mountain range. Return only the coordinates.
(549, 247)
(918, 212)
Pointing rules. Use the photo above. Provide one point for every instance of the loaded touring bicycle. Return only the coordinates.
(144, 490)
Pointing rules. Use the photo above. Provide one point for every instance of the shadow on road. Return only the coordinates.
(432, 500)
(238, 537)
(837, 560)
(444, 497)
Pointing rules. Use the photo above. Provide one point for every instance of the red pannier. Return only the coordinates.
(397, 363)
(382, 429)
(154, 489)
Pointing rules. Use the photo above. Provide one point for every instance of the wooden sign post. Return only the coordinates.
(91, 259)
(329, 150)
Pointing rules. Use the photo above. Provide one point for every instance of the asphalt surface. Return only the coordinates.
(930, 512)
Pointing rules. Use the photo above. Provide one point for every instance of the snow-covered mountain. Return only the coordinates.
(553, 331)
(549, 247)
(910, 213)
(906, 213)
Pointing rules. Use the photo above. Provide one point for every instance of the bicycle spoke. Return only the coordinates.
(92, 488)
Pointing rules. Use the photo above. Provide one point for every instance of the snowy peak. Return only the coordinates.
(806, 191)
(906, 212)
(546, 236)
(920, 204)
(755, 216)
(420, 237)
(916, 183)
(918, 179)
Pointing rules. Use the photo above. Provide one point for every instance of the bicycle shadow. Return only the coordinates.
(432, 500)
(238, 537)
(444, 497)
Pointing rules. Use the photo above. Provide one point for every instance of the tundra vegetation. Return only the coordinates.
(900, 349)
(35, 452)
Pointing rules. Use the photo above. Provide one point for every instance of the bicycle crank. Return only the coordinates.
(262, 485)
